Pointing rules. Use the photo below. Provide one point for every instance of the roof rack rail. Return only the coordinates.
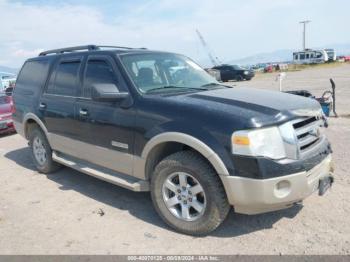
(83, 47)
(69, 49)
(112, 46)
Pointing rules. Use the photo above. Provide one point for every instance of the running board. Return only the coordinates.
(101, 173)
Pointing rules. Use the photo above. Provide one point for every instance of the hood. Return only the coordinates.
(255, 107)
(5, 105)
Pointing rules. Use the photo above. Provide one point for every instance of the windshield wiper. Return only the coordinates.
(175, 87)
(211, 84)
(215, 84)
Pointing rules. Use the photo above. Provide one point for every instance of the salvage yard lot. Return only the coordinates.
(72, 213)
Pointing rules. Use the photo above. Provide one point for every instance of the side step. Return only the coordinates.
(107, 175)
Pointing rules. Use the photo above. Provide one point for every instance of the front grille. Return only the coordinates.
(307, 132)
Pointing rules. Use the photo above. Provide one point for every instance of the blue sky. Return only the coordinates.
(232, 28)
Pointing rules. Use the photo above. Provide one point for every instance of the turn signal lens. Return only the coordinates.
(240, 140)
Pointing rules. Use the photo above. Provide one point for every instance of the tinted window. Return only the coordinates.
(318, 54)
(98, 71)
(64, 81)
(33, 75)
(302, 56)
(307, 56)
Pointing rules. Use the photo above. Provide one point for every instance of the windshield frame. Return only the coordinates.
(175, 91)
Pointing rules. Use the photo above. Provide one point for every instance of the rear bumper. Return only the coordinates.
(254, 196)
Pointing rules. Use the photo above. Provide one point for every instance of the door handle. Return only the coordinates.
(42, 106)
(83, 112)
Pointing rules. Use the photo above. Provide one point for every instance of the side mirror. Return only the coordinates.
(107, 93)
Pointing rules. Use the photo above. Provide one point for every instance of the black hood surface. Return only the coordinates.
(259, 107)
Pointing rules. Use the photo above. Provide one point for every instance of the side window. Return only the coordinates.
(64, 81)
(307, 56)
(302, 56)
(98, 71)
(33, 75)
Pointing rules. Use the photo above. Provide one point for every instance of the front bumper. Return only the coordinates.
(254, 196)
(6, 126)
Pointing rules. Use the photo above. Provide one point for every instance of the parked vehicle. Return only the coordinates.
(347, 58)
(234, 72)
(155, 121)
(6, 80)
(332, 55)
(310, 57)
(268, 69)
(341, 59)
(6, 109)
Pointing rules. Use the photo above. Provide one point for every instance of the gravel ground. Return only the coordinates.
(71, 213)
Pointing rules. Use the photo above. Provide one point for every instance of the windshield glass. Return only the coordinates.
(238, 67)
(166, 72)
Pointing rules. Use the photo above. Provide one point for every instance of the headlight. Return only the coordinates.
(265, 142)
(245, 72)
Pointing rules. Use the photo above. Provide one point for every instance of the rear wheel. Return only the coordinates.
(188, 194)
(42, 152)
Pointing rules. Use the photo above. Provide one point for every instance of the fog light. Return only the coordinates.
(282, 189)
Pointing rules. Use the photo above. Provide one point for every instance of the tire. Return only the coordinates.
(212, 199)
(239, 78)
(40, 147)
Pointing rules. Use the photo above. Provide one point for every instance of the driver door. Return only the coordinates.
(106, 127)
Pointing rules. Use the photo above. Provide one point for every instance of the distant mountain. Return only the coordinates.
(284, 55)
(5, 69)
(275, 56)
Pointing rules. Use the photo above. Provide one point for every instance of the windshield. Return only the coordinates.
(238, 67)
(166, 72)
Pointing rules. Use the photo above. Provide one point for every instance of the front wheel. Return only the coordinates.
(239, 78)
(188, 194)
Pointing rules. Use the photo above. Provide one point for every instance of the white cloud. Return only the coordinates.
(26, 53)
(232, 28)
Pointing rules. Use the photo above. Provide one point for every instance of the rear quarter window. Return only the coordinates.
(32, 76)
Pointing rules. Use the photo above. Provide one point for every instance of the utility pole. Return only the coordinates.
(304, 32)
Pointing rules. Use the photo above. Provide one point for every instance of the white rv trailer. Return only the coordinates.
(309, 56)
(332, 56)
(6, 79)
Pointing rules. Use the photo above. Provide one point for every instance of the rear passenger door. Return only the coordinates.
(110, 137)
(57, 104)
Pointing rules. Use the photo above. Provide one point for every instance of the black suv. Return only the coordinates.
(234, 72)
(156, 121)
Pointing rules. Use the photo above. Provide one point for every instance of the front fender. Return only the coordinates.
(196, 138)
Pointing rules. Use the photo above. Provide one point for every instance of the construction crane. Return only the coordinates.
(214, 60)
